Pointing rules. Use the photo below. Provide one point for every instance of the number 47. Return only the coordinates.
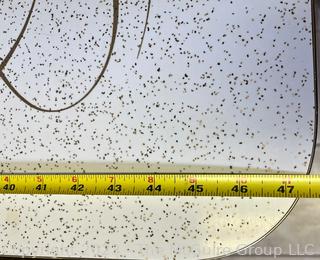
(283, 189)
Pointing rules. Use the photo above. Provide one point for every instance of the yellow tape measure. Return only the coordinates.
(242, 185)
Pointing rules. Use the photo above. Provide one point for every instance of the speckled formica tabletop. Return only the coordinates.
(179, 86)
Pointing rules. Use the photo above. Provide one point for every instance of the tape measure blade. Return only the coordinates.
(151, 184)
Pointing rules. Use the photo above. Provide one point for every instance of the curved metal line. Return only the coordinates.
(20, 36)
(145, 28)
(114, 35)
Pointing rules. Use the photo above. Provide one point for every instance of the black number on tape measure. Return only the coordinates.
(242, 188)
(41, 187)
(114, 187)
(9, 187)
(290, 188)
(79, 187)
(283, 189)
(197, 188)
(157, 188)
